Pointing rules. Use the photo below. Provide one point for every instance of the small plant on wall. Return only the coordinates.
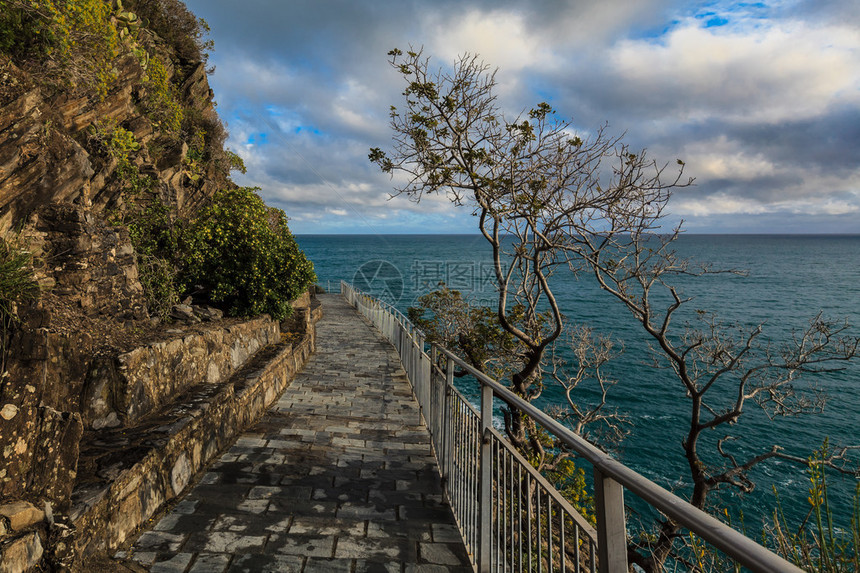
(17, 286)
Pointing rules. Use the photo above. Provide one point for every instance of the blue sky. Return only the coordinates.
(760, 99)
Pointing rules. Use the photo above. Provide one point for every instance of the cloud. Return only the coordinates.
(762, 100)
(498, 35)
(765, 112)
(768, 75)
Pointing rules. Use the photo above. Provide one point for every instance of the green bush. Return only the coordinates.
(158, 279)
(233, 162)
(205, 135)
(113, 140)
(241, 253)
(117, 142)
(176, 25)
(818, 543)
(153, 231)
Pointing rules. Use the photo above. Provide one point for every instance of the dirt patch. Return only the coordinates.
(111, 336)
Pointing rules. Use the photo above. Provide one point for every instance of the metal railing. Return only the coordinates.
(511, 518)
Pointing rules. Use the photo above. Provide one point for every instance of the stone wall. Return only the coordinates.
(121, 389)
(56, 389)
(98, 487)
(210, 419)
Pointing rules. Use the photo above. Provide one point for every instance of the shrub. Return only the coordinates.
(155, 236)
(17, 285)
(204, 131)
(818, 543)
(241, 254)
(113, 140)
(162, 105)
(117, 142)
(177, 26)
(233, 162)
(158, 279)
(153, 231)
(75, 39)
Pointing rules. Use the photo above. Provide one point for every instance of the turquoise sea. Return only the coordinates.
(791, 278)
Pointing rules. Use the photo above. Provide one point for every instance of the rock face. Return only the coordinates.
(89, 263)
(47, 154)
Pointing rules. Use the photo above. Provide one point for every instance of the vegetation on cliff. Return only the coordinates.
(17, 286)
(73, 48)
(72, 42)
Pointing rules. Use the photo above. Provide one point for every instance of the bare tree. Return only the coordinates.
(723, 368)
(597, 421)
(538, 191)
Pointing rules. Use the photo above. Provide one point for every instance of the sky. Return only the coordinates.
(761, 99)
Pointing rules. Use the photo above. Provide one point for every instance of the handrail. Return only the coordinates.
(740, 547)
(610, 474)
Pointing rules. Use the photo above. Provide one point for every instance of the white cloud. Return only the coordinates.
(775, 72)
(352, 108)
(501, 37)
(725, 204)
(835, 196)
(722, 158)
(717, 204)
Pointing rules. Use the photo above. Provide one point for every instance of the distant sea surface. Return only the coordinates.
(791, 279)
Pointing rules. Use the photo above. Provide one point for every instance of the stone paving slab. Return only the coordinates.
(337, 476)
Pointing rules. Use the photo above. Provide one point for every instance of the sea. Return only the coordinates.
(789, 280)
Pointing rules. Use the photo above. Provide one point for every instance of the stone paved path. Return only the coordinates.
(338, 476)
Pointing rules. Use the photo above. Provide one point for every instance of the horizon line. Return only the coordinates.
(683, 234)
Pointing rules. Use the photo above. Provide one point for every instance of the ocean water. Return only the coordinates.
(791, 278)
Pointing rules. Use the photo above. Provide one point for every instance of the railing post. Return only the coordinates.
(434, 398)
(416, 364)
(413, 360)
(611, 525)
(485, 545)
(419, 375)
(389, 329)
(398, 337)
(407, 352)
(447, 416)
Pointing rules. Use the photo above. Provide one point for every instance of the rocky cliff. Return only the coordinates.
(76, 165)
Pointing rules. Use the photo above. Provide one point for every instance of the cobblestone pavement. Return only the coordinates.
(338, 476)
